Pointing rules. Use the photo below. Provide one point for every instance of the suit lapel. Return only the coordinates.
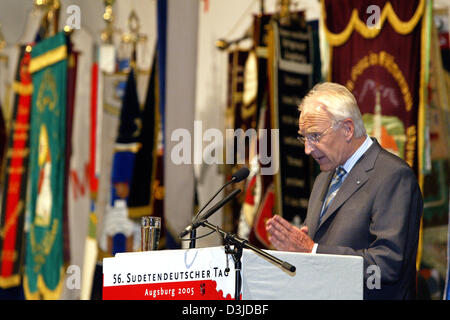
(356, 178)
(317, 204)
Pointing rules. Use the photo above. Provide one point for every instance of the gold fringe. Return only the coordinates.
(43, 292)
(11, 281)
(402, 27)
(421, 120)
(137, 212)
(102, 254)
(130, 147)
(111, 109)
(22, 89)
(48, 58)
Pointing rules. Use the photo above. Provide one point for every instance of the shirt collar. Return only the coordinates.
(349, 164)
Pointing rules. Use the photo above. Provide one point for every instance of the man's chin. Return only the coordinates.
(325, 167)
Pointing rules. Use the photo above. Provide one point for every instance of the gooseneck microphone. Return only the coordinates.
(208, 213)
(238, 176)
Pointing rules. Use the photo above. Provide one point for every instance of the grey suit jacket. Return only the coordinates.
(376, 215)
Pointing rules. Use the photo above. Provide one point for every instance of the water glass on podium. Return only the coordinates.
(150, 232)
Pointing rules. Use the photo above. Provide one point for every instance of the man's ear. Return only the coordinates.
(349, 129)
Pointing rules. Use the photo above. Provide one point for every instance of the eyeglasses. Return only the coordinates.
(314, 138)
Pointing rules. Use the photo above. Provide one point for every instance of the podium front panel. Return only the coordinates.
(199, 274)
(194, 274)
(317, 277)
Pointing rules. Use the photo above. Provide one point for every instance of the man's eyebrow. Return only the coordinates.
(311, 129)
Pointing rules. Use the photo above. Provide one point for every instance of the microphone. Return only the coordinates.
(240, 175)
(208, 213)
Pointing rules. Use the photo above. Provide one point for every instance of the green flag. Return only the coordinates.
(44, 245)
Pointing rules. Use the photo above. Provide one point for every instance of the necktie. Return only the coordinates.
(335, 184)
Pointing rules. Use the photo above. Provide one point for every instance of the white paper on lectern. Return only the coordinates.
(317, 277)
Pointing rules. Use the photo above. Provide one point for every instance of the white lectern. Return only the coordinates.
(208, 273)
(317, 277)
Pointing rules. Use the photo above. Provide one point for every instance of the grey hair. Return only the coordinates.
(338, 101)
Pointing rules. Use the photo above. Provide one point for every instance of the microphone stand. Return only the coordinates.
(238, 176)
(193, 236)
(238, 245)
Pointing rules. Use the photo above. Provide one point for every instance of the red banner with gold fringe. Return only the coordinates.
(15, 178)
(378, 50)
(380, 59)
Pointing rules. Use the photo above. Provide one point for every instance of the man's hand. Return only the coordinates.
(287, 237)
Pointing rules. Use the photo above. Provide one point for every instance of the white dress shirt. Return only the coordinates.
(350, 163)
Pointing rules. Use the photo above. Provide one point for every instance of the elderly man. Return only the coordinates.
(366, 201)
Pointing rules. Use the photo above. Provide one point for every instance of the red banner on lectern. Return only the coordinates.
(194, 274)
(184, 290)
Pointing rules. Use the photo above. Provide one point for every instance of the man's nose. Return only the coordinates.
(308, 147)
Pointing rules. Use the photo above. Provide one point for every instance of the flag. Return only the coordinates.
(118, 227)
(252, 199)
(78, 176)
(436, 184)
(371, 63)
(290, 72)
(8, 68)
(90, 245)
(235, 119)
(127, 143)
(2, 138)
(447, 278)
(247, 110)
(44, 242)
(16, 102)
(265, 208)
(264, 205)
(292, 77)
(108, 121)
(443, 16)
(142, 183)
(160, 206)
(383, 64)
(162, 54)
(14, 177)
(72, 60)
